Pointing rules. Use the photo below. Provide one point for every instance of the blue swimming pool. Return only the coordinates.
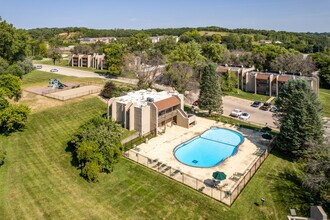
(209, 148)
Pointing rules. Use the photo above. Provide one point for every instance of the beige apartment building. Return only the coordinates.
(96, 61)
(266, 83)
(149, 111)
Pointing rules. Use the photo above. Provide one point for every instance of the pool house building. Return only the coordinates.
(149, 111)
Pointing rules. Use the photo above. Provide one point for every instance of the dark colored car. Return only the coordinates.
(256, 104)
(266, 106)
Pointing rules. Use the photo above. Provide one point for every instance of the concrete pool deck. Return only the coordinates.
(161, 149)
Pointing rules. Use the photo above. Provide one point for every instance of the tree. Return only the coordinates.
(146, 66)
(15, 70)
(189, 52)
(178, 75)
(229, 81)
(55, 54)
(192, 35)
(3, 66)
(139, 42)
(322, 61)
(14, 44)
(109, 90)
(26, 65)
(82, 49)
(114, 54)
(293, 63)
(166, 45)
(210, 90)
(299, 115)
(97, 147)
(213, 51)
(269, 52)
(316, 178)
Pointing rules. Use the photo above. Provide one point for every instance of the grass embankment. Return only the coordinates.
(38, 180)
(324, 96)
(248, 96)
(64, 63)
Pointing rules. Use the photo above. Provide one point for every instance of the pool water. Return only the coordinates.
(210, 148)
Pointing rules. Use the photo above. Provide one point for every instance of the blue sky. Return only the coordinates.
(287, 15)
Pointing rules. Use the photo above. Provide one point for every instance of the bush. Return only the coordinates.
(37, 58)
(13, 117)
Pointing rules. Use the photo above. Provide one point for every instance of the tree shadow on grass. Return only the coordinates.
(288, 190)
(277, 152)
(71, 148)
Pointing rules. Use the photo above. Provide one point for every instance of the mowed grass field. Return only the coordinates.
(38, 181)
(324, 96)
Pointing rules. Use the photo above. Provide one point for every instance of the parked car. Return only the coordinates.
(244, 116)
(256, 104)
(265, 106)
(236, 113)
(38, 67)
(54, 70)
(273, 108)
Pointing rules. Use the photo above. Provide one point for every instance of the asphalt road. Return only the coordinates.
(230, 103)
(257, 116)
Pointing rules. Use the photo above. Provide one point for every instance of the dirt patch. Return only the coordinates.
(39, 103)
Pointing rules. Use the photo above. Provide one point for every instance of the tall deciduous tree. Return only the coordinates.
(213, 51)
(293, 63)
(139, 42)
(114, 54)
(178, 75)
(14, 43)
(189, 52)
(322, 61)
(210, 90)
(299, 114)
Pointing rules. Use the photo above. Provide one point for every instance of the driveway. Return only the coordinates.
(258, 116)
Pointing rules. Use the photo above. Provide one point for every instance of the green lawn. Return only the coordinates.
(38, 181)
(324, 96)
(40, 78)
(249, 96)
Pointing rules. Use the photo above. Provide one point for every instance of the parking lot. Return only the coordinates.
(257, 116)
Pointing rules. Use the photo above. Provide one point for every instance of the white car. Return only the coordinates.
(244, 116)
(38, 67)
(236, 113)
(54, 70)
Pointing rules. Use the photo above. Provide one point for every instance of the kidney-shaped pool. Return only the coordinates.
(210, 148)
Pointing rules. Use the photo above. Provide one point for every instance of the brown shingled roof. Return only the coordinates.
(167, 103)
(263, 76)
(283, 78)
(222, 69)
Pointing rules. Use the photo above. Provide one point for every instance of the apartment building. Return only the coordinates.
(149, 111)
(90, 40)
(266, 83)
(96, 61)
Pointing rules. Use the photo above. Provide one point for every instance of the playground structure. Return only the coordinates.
(56, 84)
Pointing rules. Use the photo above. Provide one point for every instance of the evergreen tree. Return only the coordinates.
(210, 90)
(300, 118)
